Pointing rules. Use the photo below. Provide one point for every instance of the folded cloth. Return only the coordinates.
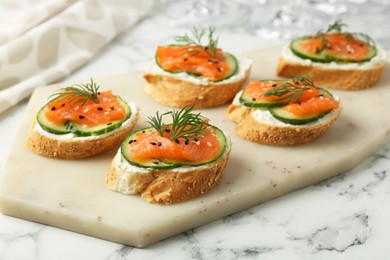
(54, 38)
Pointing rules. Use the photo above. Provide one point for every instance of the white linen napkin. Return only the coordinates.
(53, 38)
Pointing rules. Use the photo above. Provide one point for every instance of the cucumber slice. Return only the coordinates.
(160, 164)
(80, 129)
(233, 65)
(317, 57)
(84, 130)
(287, 117)
(150, 163)
(324, 92)
(372, 51)
(230, 59)
(261, 104)
(49, 126)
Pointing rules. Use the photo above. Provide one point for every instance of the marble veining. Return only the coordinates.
(345, 217)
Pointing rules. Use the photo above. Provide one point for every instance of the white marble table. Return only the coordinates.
(346, 217)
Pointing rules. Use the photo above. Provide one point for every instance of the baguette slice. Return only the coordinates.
(176, 90)
(279, 135)
(54, 146)
(165, 186)
(334, 77)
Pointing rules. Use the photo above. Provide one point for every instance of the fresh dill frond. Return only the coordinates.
(185, 124)
(196, 40)
(336, 26)
(157, 123)
(288, 92)
(213, 43)
(79, 93)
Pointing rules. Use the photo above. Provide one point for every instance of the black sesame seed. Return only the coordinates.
(135, 140)
(196, 140)
(158, 143)
(112, 108)
(152, 143)
(273, 85)
(98, 93)
(131, 141)
(185, 59)
(299, 102)
(143, 131)
(177, 141)
(206, 48)
(253, 99)
(155, 162)
(63, 105)
(219, 69)
(167, 130)
(53, 108)
(320, 95)
(100, 108)
(186, 142)
(109, 123)
(81, 116)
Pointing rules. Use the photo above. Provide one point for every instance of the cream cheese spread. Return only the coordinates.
(243, 65)
(379, 59)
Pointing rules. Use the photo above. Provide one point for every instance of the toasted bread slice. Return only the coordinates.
(180, 89)
(165, 186)
(279, 135)
(56, 146)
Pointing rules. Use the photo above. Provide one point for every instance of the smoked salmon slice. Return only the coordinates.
(90, 113)
(150, 145)
(315, 105)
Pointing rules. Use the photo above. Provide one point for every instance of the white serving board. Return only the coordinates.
(72, 194)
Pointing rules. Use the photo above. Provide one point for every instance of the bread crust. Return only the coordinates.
(174, 92)
(334, 78)
(256, 131)
(168, 186)
(76, 149)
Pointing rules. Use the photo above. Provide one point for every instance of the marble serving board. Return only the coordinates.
(72, 194)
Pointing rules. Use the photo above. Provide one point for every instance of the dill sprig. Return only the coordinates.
(196, 40)
(337, 27)
(185, 124)
(288, 92)
(79, 93)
